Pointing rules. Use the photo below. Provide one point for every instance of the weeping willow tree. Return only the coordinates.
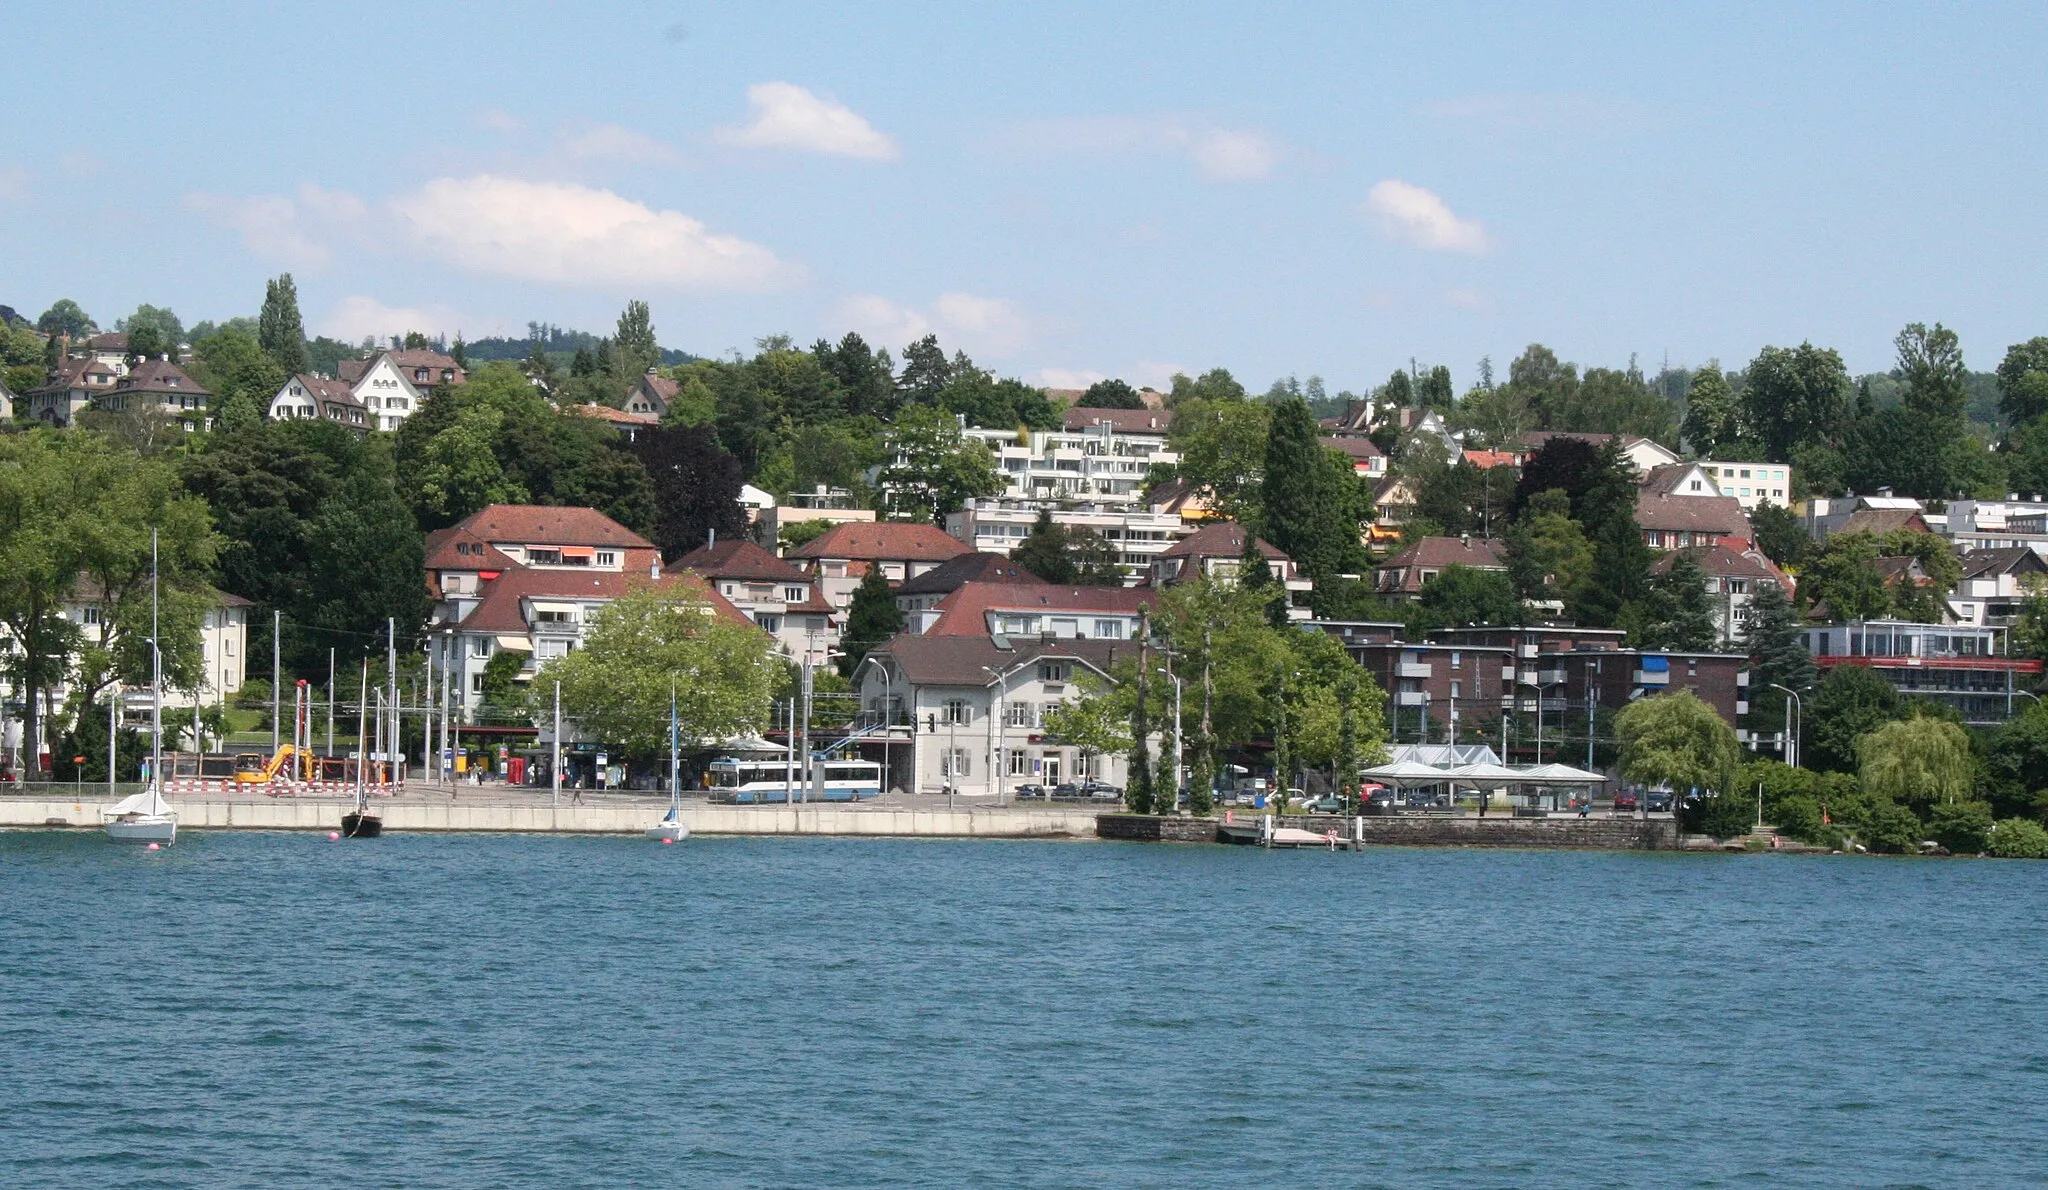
(1915, 761)
(1677, 741)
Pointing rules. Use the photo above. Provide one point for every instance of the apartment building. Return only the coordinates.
(1098, 456)
(1138, 533)
(1956, 664)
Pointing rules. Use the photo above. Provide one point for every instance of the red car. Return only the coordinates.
(1624, 801)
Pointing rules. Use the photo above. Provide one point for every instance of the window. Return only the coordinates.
(1020, 764)
(553, 617)
(954, 762)
(1020, 714)
(479, 646)
(1456, 689)
(90, 615)
(476, 683)
(954, 710)
(1109, 629)
(1696, 485)
(769, 623)
(1052, 671)
(229, 645)
(793, 594)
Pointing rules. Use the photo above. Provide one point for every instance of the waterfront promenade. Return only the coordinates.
(496, 809)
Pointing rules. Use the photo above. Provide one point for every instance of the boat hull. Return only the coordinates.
(674, 832)
(361, 826)
(149, 828)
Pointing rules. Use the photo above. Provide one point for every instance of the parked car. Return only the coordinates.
(1380, 798)
(1658, 801)
(1329, 803)
(1068, 791)
(1101, 792)
(1625, 800)
(1029, 793)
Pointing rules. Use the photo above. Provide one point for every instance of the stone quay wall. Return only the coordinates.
(1611, 834)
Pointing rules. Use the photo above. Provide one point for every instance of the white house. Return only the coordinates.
(1752, 483)
(307, 397)
(1100, 456)
(970, 712)
(782, 600)
(1138, 533)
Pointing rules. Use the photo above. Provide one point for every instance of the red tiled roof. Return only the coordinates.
(1357, 448)
(351, 370)
(500, 611)
(883, 541)
(1121, 421)
(159, 376)
(324, 389)
(1722, 562)
(661, 386)
(968, 568)
(1220, 539)
(958, 660)
(1435, 553)
(540, 524)
(1485, 459)
(1883, 520)
(740, 559)
(458, 549)
(109, 341)
(1722, 515)
(965, 611)
(615, 416)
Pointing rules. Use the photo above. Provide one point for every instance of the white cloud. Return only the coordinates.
(499, 120)
(569, 234)
(14, 180)
(1069, 377)
(611, 142)
(962, 321)
(786, 116)
(1408, 212)
(294, 231)
(1218, 154)
(358, 315)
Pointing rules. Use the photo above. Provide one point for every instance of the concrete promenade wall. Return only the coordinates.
(402, 816)
(1618, 834)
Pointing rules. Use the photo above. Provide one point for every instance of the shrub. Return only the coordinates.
(254, 692)
(1799, 817)
(2019, 838)
(1891, 827)
(1962, 827)
(1724, 816)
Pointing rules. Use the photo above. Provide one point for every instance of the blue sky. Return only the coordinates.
(1066, 191)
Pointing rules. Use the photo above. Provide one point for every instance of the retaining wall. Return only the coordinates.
(595, 819)
(1616, 834)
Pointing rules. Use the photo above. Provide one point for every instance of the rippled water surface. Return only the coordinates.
(274, 1009)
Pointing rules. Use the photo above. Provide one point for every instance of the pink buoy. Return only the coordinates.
(156, 846)
(667, 842)
(332, 836)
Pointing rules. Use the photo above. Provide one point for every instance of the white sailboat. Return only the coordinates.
(672, 829)
(145, 817)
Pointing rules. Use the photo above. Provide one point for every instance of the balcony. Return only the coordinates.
(1411, 698)
(1412, 669)
(1527, 652)
(1653, 677)
(1550, 677)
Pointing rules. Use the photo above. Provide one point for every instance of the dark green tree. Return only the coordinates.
(1547, 383)
(1621, 564)
(1937, 382)
(1398, 392)
(696, 487)
(1675, 611)
(1463, 596)
(871, 619)
(633, 345)
(1306, 511)
(1780, 534)
(1094, 558)
(1793, 397)
(64, 317)
(865, 377)
(1111, 394)
(1777, 656)
(1712, 423)
(1848, 704)
(1044, 551)
(279, 329)
(2023, 381)
(925, 371)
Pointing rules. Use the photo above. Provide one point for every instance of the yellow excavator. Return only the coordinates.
(253, 768)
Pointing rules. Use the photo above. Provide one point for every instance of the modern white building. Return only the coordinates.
(1099, 456)
(1995, 524)
(1137, 533)
(1752, 483)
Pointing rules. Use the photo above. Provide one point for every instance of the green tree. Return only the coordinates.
(1793, 397)
(872, 619)
(1216, 385)
(280, 331)
(152, 331)
(1496, 417)
(1675, 612)
(925, 371)
(1095, 559)
(64, 318)
(1917, 760)
(2018, 838)
(1780, 534)
(503, 701)
(1937, 382)
(2023, 381)
(1844, 574)
(1678, 742)
(866, 377)
(1111, 394)
(1622, 562)
(696, 487)
(1463, 596)
(1849, 703)
(936, 469)
(1044, 551)
(1963, 827)
(1547, 383)
(633, 345)
(1547, 554)
(1305, 507)
(1097, 723)
(654, 641)
(1222, 445)
(1777, 656)
(1712, 420)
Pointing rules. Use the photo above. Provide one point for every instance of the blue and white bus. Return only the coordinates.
(767, 782)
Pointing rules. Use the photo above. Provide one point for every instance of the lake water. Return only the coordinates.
(275, 1009)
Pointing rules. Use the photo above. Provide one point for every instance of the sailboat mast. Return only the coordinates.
(113, 734)
(675, 788)
(156, 662)
(362, 735)
(391, 665)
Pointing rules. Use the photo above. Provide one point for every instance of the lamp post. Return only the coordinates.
(1790, 738)
(996, 705)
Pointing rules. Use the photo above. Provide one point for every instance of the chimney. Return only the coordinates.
(714, 538)
(654, 569)
(1465, 539)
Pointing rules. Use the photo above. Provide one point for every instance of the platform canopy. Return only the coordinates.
(1560, 774)
(1406, 774)
(1484, 775)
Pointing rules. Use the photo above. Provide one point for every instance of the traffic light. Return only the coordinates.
(931, 722)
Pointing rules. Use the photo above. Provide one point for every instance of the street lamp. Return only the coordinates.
(997, 710)
(1790, 737)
